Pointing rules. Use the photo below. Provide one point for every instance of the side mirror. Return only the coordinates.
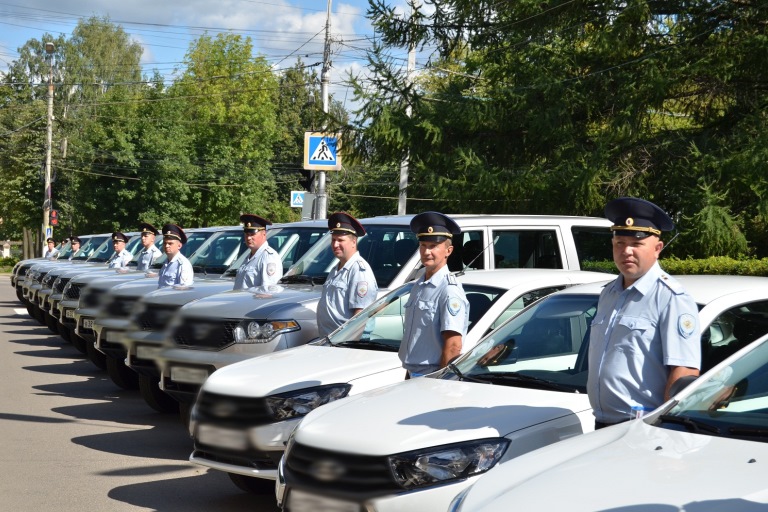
(681, 383)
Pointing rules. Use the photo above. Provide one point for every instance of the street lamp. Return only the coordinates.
(47, 229)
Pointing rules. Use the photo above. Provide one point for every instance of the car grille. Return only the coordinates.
(233, 411)
(359, 474)
(61, 284)
(156, 318)
(205, 334)
(120, 307)
(73, 292)
(91, 298)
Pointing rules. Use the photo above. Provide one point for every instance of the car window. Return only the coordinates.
(732, 402)
(526, 249)
(732, 330)
(382, 323)
(218, 252)
(592, 244)
(547, 340)
(523, 302)
(89, 247)
(468, 251)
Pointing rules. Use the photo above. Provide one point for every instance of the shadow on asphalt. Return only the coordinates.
(211, 490)
(170, 442)
(76, 368)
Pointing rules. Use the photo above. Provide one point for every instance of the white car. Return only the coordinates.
(415, 445)
(701, 451)
(232, 435)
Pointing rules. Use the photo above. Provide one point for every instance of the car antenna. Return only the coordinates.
(677, 233)
(464, 269)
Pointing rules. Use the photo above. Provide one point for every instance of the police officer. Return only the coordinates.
(149, 252)
(645, 334)
(264, 265)
(177, 270)
(351, 285)
(74, 244)
(121, 257)
(437, 311)
(52, 251)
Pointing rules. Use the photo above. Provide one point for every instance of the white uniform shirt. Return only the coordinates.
(146, 257)
(263, 268)
(177, 271)
(120, 260)
(350, 287)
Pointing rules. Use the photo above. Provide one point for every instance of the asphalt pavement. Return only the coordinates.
(73, 441)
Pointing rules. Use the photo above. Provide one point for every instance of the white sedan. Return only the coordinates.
(704, 450)
(415, 445)
(246, 411)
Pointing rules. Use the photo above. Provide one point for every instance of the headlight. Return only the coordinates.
(300, 403)
(56, 283)
(251, 331)
(452, 462)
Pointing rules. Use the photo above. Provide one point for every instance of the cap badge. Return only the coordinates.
(338, 224)
(630, 221)
(430, 229)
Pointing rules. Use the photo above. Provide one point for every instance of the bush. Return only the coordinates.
(6, 264)
(722, 265)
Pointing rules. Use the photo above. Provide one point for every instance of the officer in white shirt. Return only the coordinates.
(263, 266)
(177, 270)
(351, 284)
(149, 252)
(121, 257)
(52, 251)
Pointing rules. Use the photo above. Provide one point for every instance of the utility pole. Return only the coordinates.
(49, 49)
(402, 196)
(321, 202)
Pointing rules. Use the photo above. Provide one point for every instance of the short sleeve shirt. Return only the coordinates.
(635, 335)
(120, 260)
(177, 271)
(146, 257)
(350, 287)
(435, 305)
(263, 268)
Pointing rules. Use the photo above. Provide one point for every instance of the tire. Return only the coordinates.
(155, 397)
(51, 323)
(96, 357)
(65, 333)
(79, 343)
(252, 485)
(35, 313)
(122, 375)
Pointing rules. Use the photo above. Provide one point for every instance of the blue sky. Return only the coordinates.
(280, 29)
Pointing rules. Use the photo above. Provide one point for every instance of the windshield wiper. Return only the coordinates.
(518, 378)
(302, 278)
(461, 376)
(748, 432)
(693, 426)
(368, 345)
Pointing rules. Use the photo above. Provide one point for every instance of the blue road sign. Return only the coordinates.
(297, 198)
(321, 151)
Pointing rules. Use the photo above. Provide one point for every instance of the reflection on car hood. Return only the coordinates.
(647, 468)
(132, 284)
(240, 303)
(173, 296)
(298, 368)
(427, 412)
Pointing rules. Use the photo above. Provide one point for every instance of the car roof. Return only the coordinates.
(703, 288)
(466, 220)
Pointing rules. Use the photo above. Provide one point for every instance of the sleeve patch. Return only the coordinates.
(454, 306)
(686, 324)
(362, 289)
(271, 269)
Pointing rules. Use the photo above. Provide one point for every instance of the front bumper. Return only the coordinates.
(142, 350)
(84, 320)
(107, 333)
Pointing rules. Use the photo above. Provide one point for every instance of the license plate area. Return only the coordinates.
(188, 375)
(300, 501)
(228, 438)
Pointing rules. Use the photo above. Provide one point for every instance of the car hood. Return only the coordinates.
(111, 282)
(251, 304)
(298, 368)
(646, 468)
(88, 274)
(427, 412)
(178, 296)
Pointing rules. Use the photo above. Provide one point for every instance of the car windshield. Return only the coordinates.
(731, 402)
(88, 247)
(195, 239)
(543, 347)
(218, 252)
(386, 248)
(290, 243)
(380, 325)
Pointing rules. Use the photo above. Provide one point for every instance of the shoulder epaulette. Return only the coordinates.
(361, 265)
(672, 284)
(452, 279)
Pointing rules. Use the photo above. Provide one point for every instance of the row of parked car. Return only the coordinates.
(330, 424)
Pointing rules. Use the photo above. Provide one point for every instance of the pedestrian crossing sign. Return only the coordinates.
(321, 151)
(297, 198)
